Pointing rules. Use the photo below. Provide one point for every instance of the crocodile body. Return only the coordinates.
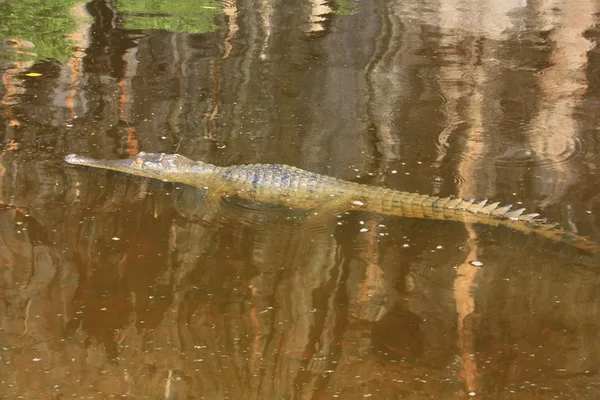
(296, 188)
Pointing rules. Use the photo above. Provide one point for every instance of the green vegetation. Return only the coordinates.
(40, 26)
(191, 16)
(36, 30)
(345, 7)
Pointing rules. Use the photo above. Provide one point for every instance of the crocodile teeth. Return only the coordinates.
(514, 214)
(489, 208)
(502, 210)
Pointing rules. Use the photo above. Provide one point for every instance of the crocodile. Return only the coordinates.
(299, 189)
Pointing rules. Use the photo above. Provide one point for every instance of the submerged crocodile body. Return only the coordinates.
(295, 188)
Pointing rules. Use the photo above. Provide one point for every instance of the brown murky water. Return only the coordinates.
(113, 286)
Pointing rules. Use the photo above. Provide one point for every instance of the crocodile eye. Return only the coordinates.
(138, 163)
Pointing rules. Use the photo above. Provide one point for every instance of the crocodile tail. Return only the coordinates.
(555, 233)
(414, 205)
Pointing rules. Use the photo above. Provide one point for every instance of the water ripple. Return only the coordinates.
(548, 152)
(260, 217)
(551, 156)
(223, 158)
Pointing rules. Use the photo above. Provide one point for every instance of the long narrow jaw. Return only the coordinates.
(151, 165)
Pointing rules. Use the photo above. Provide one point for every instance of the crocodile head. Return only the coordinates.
(166, 167)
